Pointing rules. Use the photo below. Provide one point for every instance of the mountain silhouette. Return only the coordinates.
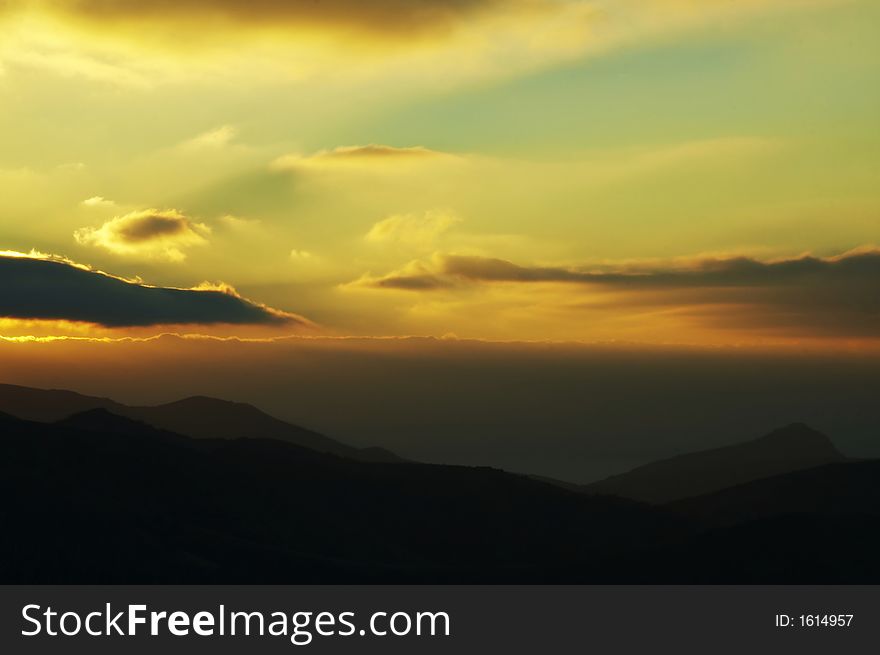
(96, 497)
(814, 525)
(199, 417)
(209, 418)
(833, 489)
(48, 405)
(106, 422)
(791, 448)
(101, 498)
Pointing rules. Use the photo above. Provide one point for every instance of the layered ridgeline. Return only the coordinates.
(792, 448)
(198, 417)
(93, 496)
(100, 498)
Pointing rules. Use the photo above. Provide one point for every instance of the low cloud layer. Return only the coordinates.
(150, 232)
(809, 296)
(38, 288)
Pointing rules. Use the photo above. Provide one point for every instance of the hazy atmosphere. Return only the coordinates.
(572, 412)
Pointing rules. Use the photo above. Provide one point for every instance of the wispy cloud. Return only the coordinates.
(372, 155)
(215, 139)
(418, 230)
(132, 42)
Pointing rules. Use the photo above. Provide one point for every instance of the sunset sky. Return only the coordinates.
(656, 171)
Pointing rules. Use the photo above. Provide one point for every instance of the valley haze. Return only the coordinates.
(567, 411)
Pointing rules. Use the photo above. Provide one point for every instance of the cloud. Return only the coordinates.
(211, 140)
(453, 271)
(414, 276)
(368, 155)
(375, 151)
(385, 17)
(135, 43)
(97, 201)
(150, 232)
(41, 287)
(418, 42)
(412, 229)
(811, 296)
(237, 223)
(382, 18)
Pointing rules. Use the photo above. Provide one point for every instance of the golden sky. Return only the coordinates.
(655, 171)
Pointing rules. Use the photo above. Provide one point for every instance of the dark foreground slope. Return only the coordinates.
(794, 447)
(198, 417)
(814, 525)
(833, 489)
(99, 499)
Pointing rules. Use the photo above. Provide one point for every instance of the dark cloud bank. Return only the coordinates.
(834, 296)
(379, 16)
(46, 289)
(734, 272)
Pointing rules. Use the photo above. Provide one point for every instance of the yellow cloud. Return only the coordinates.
(211, 140)
(151, 233)
(385, 17)
(301, 255)
(97, 201)
(371, 155)
(419, 230)
(420, 42)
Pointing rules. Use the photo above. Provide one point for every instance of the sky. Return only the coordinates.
(665, 171)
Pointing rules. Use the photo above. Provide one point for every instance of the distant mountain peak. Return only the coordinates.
(801, 438)
(790, 448)
(199, 417)
(796, 429)
(47, 405)
(231, 409)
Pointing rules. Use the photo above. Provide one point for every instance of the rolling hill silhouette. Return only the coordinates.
(198, 417)
(97, 497)
(814, 525)
(833, 489)
(791, 448)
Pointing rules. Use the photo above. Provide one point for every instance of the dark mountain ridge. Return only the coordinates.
(791, 448)
(841, 487)
(199, 417)
(111, 502)
(98, 497)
